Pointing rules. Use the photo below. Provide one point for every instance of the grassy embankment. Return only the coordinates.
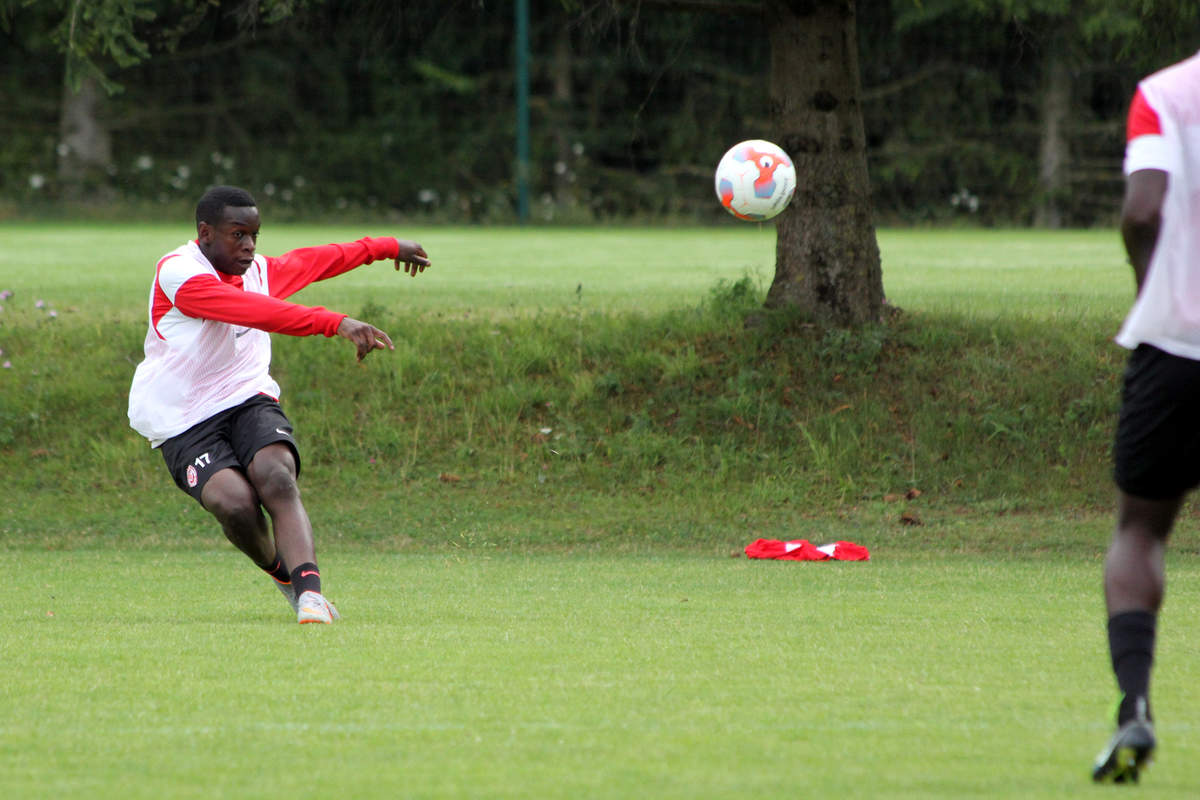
(599, 387)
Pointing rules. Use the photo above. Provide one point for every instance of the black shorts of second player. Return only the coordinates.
(228, 439)
(1156, 454)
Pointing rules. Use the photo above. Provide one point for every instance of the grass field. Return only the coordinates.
(497, 271)
(560, 614)
(133, 674)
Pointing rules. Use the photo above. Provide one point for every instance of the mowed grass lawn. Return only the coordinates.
(141, 675)
(106, 268)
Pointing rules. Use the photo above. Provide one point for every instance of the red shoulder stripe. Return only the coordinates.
(1143, 120)
(160, 304)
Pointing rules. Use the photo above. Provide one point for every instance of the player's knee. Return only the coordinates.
(233, 504)
(273, 474)
(276, 483)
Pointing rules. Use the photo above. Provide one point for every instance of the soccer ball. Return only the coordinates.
(755, 180)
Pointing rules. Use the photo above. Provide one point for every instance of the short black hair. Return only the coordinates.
(212, 205)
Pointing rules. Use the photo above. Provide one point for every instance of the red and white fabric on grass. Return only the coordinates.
(804, 550)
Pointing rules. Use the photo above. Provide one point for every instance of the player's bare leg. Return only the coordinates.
(230, 498)
(1134, 571)
(272, 472)
(1134, 583)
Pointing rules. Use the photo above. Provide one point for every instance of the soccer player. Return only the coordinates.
(1157, 448)
(204, 397)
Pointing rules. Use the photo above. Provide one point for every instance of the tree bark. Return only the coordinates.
(561, 105)
(85, 147)
(826, 257)
(1053, 153)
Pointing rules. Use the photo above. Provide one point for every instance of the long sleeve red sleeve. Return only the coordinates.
(295, 269)
(206, 297)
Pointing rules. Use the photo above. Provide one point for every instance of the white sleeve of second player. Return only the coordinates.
(1151, 151)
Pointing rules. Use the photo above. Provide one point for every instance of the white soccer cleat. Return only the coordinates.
(289, 593)
(313, 607)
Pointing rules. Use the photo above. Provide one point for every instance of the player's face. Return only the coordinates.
(229, 245)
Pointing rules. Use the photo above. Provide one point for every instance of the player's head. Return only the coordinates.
(211, 207)
(227, 225)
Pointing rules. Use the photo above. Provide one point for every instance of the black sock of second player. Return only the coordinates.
(1131, 643)
(306, 578)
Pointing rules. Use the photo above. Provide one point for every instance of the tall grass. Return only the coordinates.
(582, 390)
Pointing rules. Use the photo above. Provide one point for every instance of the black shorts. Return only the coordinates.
(1157, 450)
(229, 438)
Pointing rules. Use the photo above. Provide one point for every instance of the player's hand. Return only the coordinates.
(413, 256)
(366, 337)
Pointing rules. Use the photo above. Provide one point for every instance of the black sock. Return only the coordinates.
(279, 571)
(306, 578)
(1131, 643)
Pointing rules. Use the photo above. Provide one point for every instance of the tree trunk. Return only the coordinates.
(1053, 153)
(85, 147)
(561, 105)
(826, 256)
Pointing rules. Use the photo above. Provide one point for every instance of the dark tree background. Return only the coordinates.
(1004, 112)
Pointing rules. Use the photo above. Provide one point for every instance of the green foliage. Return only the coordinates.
(102, 29)
(954, 102)
(377, 108)
(101, 36)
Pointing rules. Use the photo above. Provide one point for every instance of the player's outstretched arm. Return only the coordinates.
(366, 337)
(413, 256)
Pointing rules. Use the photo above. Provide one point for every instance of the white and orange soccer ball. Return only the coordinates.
(755, 180)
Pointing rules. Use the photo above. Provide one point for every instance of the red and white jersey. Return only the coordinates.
(208, 345)
(1163, 133)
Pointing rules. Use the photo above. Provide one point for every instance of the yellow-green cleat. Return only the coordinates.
(1130, 750)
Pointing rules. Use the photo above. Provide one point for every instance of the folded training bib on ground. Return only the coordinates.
(804, 550)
